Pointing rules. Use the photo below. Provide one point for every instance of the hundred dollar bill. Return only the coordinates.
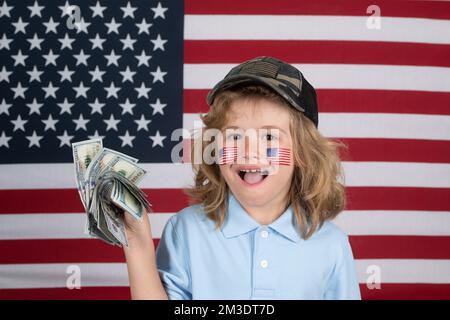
(112, 162)
(124, 199)
(107, 182)
(97, 166)
(83, 154)
(95, 232)
(118, 191)
(127, 169)
(117, 229)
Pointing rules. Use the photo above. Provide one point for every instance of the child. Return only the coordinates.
(260, 228)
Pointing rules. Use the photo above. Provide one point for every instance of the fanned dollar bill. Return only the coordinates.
(83, 154)
(107, 183)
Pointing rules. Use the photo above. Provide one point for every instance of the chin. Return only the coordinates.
(252, 197)
(257, 194)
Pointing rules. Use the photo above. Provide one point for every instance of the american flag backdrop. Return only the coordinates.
(132, 71)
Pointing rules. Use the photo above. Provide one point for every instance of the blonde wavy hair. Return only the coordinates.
(315, 194)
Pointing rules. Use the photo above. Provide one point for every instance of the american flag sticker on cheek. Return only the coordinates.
(227, 155)
(279, 156)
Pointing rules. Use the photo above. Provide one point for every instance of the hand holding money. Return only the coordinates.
(107, 183)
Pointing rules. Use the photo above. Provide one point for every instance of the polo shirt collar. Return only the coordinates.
(286, 225)
(238, 222)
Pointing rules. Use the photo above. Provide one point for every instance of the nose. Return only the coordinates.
(251, 149)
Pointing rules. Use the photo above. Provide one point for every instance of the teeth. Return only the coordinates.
(254, 170)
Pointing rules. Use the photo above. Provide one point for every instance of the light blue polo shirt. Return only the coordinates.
(246, 260)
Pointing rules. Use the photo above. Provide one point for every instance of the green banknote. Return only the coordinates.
(107, 183)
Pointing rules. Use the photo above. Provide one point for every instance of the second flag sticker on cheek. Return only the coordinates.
(275, 156)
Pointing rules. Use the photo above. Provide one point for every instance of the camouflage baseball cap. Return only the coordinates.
(280, 76)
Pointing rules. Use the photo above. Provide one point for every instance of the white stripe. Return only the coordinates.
(61, 175)
(368, 125)
(382, 125)
(70, 226)
(405, 270)
(377, 222)
(300, 27)
(397, 174)
(59, 226)
(357, 174)
(56, 275)
(339, 76)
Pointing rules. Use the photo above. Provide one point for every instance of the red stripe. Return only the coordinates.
(387, 291)
(400, 247)
(173, 200)
(397, 150)
(68, 200)
(409, 291)
(425, 9)
(92, 250)
(60, 251)
(385, 150)
(396, 198)
(318, 51)
(85, 293)
(349, 100)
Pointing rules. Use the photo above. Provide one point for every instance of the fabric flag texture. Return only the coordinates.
(135, 71)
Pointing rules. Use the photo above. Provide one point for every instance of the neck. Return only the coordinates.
(267, 213)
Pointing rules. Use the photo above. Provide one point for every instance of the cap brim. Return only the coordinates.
(238, 79)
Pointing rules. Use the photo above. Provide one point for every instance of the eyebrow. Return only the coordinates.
(263, 127)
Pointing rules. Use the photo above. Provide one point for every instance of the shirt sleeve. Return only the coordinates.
(343, 283)
(172, 263)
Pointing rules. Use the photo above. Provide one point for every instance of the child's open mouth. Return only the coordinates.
(252, 177)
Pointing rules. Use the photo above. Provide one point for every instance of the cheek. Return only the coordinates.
(284, 174)
(226, 172)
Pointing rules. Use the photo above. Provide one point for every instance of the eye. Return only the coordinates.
(234, 136)
(270, 137)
